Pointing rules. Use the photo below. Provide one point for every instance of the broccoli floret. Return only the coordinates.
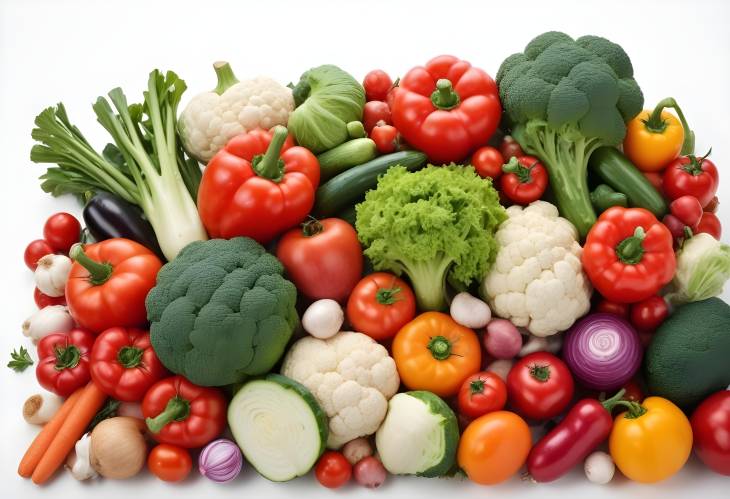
(433, 224)
(563, 99)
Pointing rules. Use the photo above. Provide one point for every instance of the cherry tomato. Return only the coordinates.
(42, 300)
(35, 251)
(170, 462)
(687, 209)
(633, 393)
(711, 430)
(690, 175)
(482, 393)
(381, 304)
(648, 314)
(375, 111)
(710, 224)
(656, 179)
(675, 226)
(377, 83)
(488, 161)
(385, 138)
(540, 386)
(712, 205)
(62, 231)
(333, 470)
(524, 179)
(612, 307)
(510, 147)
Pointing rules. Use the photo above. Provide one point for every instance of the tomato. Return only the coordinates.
(689, 175)
(323, 258)
(711, 430)
(377, 83)
(380, 305)
(488, 161)
(482, 393)
(374, 112)
(540, 386)
(710, 224)
(63, 361)
(333, 470)
(385, 137)
(633, 391)
(656, 179)
(648, 314)
(510, 147)
(612, 307)
(494, 447)
(169, 462)
(687, 209)
(35, 251)
(42, 300)
(62, 231)
(675, 226)
(524, 179)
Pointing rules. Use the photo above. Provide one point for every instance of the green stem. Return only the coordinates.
(523, 173)
(177, 409)
(440, 347)
(270, 164)
(99, 273)
(67, 357)
(130, 357)
(656, 124)
(387, 296)
(312, 227)
(609, 404)
(476, 387)
(444, 96)
(226, 78)
(630, 250)
(540, 373)
(694, 167)
(633, 409)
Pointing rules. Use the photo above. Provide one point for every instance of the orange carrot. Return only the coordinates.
(43, 440)
(70, 432)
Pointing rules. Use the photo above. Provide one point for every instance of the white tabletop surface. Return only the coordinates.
(73, 51)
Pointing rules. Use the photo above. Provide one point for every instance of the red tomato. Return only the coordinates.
(648, 314)
(656, 179)
(380, 305)
(711, 431)
(374, 112)
(633, 393)
(62, 231)
(524, 179)
(42, 300)
(482, 393)
(333, 470)
(170, 462)
(675, 226)
(377, 83)
(510, 147)
(689, 175)
(323, 258)
(540, 386)
(488, 161)
(35, 251)
(687, 209)
(385, 138)
(612, 307)
(63, 361)
(710, 224)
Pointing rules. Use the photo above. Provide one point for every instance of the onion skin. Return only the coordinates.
(220, 461)
(118, 447)
(603, 351)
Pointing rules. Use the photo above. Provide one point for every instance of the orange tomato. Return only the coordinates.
(494, 447)
(434, 353)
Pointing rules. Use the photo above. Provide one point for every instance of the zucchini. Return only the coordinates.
(338, 159)
(618, 172)
(279, 426)
(349, 186)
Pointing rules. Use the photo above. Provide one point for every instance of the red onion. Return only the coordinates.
(221, 461)
(603, 351)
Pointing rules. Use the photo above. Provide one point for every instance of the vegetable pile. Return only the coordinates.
(382, 279)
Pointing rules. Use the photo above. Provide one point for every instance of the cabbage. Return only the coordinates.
(327, 99)
(703, 267)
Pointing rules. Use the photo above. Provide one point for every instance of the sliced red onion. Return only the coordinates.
(603, 351)
(221, 461)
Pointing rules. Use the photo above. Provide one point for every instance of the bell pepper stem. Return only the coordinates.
(177, 409)
(610, 403)
(226, 78)
(67, 357)
(270, 164)
(99, 273)
(440, 347)
(444, 96)
(130, 357)
(656, 124)
(630, 250)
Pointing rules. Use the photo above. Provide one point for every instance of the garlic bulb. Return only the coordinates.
(52, 273)
(48, 320)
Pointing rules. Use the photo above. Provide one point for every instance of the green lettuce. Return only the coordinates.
(703, 267)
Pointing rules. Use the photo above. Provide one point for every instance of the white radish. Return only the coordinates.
(52, 273)
(355, 450)
(41, 407)
(502, 340)
(48, 320)
(323, 319)
(551, 344)
(599, 468)
(470, 311)
(501, 368)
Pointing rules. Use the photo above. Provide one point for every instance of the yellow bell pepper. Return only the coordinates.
(651, 441)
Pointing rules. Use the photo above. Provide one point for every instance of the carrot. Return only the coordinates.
(43, 440)
(70, 432)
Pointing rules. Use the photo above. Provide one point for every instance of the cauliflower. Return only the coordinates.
(210, 119)
(537, 281)
(351, 376)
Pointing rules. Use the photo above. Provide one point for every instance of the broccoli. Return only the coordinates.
(221, 311)
(434, 224)
(564, 98)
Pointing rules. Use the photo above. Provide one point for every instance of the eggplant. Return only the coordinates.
(108, 216)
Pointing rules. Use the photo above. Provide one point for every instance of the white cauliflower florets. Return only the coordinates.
(351, 376)
(537, 280)
(210, 120)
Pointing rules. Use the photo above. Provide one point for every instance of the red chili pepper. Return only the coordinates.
(63, 361)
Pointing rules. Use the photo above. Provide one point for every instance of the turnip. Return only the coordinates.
(503, 340)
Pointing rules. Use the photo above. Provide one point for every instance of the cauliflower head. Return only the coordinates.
(351, 376)
(537, 281)
(210, 119)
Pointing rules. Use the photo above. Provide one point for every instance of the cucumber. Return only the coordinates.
(352, 153)
(279, 426)
(618, 172)
(347, 187)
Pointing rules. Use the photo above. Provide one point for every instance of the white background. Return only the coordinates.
(76, 50)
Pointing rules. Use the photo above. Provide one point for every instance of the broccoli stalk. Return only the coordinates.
(428, 279)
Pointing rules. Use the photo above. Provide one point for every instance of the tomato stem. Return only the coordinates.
(476, 387)
(99, 273)
(226, 78)
(387, 296)
(444, 96)
(524, 174)
(312, 227)
(177, 409)
(67, 357)
(540, 373)
(270, 165)
(630, 250)
(694, 167)
(440, 347)
(130, 357)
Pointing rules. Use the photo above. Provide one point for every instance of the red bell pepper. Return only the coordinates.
(109, 282)
(259, 185)
(446, 109)
(124, 365)
(180, 413)
(628, 255)
(63, 361)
